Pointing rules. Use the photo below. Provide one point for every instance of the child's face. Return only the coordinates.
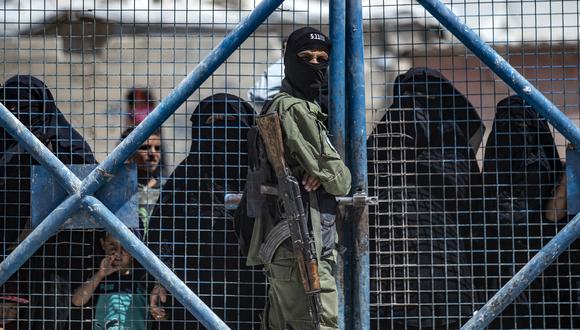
(112, 247)
(8, 312)
(148, 155)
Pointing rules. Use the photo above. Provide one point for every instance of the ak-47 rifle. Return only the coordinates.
(293, 212)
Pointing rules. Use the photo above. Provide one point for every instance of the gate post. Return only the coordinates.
(357, 159)
(337, 121)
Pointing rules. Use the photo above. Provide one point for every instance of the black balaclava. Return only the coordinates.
(304, 77)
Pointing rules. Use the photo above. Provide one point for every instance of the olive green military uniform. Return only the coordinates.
(307, 150)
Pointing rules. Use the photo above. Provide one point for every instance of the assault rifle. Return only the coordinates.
(293, 213)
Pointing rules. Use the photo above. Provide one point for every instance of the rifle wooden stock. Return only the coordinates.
(269, 126)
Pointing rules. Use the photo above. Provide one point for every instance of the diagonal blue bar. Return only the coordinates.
(179, 95)
(38, 236)
(150, 261)
(116, 159)
(56, 218)
(39, 151)
(503, 69)
(550, 112)
(522, 279)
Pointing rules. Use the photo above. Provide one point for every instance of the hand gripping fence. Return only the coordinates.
(80, 191)
(550, 112)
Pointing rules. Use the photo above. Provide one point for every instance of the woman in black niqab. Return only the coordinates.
(60, 260)
(521, 170)
(192, 219)
(422, 167)
(30, 100)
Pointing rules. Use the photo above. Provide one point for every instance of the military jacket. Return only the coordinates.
(307, 150)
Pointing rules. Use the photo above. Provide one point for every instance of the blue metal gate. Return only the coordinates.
(364, 267)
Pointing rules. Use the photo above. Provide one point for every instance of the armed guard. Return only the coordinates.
(292, 199)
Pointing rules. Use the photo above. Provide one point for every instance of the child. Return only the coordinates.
(121, 298)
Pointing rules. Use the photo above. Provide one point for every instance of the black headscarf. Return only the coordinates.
(32, 103)
(61, 260)
(190, 228)
(449, 112)
(217, 158)
(302, 76)
(422, 167)
(30, 100)
(521, 168)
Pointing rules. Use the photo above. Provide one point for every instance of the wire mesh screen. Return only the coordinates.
(81, 75)
(471, 181)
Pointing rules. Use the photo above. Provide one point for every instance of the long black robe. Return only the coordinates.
(61, 259)
(191, 218)
(521, 172)
(423, 168)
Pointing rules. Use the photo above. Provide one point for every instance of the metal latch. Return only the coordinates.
(358, 199)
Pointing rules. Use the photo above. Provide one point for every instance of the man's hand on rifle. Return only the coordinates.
(310, 183)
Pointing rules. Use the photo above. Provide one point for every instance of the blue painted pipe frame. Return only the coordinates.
(358, 317)
(337, 118)
(80, 191)
(337, 93)
(550, 112)
(503, 69)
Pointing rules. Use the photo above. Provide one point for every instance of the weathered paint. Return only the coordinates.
(573, 181)
(337, 85)
(337, 121)
(120, 196)
(357, 159)
(58, 216)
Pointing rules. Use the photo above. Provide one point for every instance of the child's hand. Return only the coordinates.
(158, 295)
(108, 266)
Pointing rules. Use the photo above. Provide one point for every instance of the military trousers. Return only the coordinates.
(288, 306)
